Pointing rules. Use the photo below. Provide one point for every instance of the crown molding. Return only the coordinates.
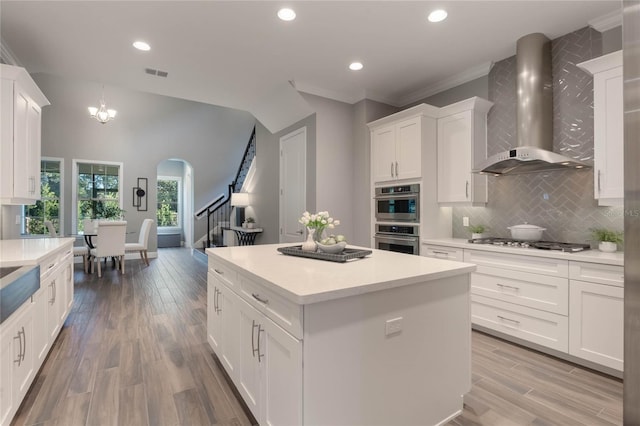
(607, 22)
(448, 83)
(7, 55)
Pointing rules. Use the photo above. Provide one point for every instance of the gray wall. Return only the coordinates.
(478, 87)
(148, 130)
(265, 192)
(560, 201)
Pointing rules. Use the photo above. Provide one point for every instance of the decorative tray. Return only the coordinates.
(347, 254)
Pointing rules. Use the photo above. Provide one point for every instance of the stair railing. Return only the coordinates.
(219, 210)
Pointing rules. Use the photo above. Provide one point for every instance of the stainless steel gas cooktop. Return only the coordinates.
(542, 245)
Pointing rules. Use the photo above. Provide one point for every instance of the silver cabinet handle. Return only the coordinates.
(392, 169)
(216, 300)
(218, 271)
(253, 346)
(436, 252)
(599, 173)
(19, 337)
(508, 319)
(259, 299)
(24, 339)
(52, 300)
(507, 286)
(300, 231)
(260, 330)
(396, 169)
(466, 190)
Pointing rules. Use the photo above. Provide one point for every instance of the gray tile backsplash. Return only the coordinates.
(560, 201)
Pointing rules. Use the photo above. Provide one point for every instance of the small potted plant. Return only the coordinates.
(609, 240)
(251, 222)
(477, 231)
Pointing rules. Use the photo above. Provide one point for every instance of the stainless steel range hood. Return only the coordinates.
(534, 115)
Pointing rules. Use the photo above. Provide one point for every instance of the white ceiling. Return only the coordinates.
(237, 53)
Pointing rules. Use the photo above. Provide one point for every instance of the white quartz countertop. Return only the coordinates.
(304, 281)
(591, 256)
(29, 251)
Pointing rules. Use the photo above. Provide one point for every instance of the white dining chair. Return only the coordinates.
(82, 251)
(110, 243)
(143, 241)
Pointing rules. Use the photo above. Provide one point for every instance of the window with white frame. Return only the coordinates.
(169, 202)
(49, 207)
(97, 191)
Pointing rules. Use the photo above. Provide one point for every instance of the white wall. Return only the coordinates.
(148, 129)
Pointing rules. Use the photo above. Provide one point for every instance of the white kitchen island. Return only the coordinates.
(383, 340)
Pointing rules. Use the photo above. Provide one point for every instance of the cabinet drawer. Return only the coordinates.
(597, 273)
(543, 328)
(443, 252)
(224, 273)
(535, 291)
(536, 265)
(49, 264)
(286, 314)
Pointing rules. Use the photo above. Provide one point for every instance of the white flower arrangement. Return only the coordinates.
(318, 221)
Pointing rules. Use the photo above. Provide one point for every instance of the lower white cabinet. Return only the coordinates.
(573, 307)
(270, 372)
(28, 334)
(596, 309)
(16, 360)
(262, 359)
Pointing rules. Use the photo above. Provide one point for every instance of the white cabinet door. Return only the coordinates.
(596, 325)
(408, 149)
(20, 134)
(41, 342)
(17, 359)
(396, 150)
(52, 286)
(281, 376)
(248, 371)
(214, 317)
(608, 121)
(454, 158)
(383, 151)
(609, 137)
(7, 358)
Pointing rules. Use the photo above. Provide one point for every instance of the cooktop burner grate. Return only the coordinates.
(542, 245)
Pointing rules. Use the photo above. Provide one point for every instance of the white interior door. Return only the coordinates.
(293, 183)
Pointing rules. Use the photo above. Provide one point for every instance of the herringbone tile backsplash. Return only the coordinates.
(561, 201)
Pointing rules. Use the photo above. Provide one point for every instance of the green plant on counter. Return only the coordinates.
(477, 229)
(250, 220)
(605, 235)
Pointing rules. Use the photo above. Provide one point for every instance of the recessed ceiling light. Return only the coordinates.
(437, 15)
(356, 66)
(141, 45)
(286, 14)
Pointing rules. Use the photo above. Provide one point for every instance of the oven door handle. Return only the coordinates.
(396, 239)
(400, 195)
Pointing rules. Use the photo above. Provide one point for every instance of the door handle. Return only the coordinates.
(392, 169)
(299, 232)
(259, 299)
(466, 190)
(24, 339)
(599, 172)
(396, 169)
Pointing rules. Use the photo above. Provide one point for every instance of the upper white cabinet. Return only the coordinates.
(608, 114)
(20, 111)
(462, 142)
(396, 143)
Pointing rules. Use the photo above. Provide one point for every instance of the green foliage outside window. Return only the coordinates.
(98, 192)
(48, 207)
(168, 196)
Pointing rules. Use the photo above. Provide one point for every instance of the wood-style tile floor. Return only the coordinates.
(133, 352)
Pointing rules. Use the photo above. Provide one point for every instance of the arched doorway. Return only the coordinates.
(174, 213)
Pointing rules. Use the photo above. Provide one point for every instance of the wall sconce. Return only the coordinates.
(240, 200)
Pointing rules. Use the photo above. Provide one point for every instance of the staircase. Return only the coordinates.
(218, 212)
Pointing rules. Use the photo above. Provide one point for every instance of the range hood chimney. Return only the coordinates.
(534, 115)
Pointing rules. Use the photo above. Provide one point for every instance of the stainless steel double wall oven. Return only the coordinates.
(397, 212)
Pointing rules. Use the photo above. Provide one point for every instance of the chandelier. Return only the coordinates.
(102, 114)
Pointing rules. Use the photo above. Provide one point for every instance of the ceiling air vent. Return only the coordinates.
(159, 73)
